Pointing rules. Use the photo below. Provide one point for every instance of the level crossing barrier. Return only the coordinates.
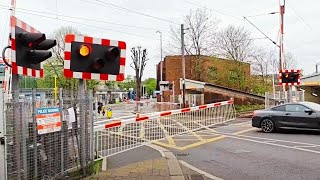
(130, 108)
(127, 133)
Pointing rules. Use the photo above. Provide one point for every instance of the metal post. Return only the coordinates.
(55, 89)
(35, 134)
(183, 67)
(282, 60)
(62, 130)
(82, 126)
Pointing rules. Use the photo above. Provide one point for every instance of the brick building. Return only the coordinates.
(201, 68)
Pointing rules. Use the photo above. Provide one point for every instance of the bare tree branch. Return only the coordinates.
(139, 59)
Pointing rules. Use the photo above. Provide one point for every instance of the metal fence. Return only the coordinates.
(119, 136)
(281, 97)
(45, 139)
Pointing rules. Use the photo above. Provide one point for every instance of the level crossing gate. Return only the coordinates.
(124, 134)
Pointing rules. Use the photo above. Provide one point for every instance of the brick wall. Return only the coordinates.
(172, 69)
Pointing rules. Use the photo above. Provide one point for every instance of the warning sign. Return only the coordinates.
(48, 120)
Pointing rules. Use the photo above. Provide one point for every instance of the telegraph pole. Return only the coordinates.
(183, 67)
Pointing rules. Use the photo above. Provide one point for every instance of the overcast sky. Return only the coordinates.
(302, 25)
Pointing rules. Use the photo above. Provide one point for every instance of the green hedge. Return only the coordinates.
(248, 108)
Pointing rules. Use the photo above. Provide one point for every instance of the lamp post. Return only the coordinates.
(160, 60)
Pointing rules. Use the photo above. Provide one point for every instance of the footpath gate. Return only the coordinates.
(122, 135)
(46, 139)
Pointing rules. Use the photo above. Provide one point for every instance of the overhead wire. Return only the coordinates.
(303, 20)
(128, 10)
(81, 18)
(87, 25)
(219, 12)
(261, 31)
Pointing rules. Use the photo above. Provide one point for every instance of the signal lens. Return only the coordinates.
(98, 64)
(84, 50)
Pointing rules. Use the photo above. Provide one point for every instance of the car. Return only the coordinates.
(300, 115)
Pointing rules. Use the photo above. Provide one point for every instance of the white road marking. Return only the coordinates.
(269, 143)
(200, 171)
(261, 138)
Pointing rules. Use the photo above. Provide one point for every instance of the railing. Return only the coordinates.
(125, 134)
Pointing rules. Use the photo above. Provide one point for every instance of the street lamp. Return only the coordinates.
(160, 54)
(160, 62)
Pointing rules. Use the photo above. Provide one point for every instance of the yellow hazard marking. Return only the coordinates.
(201, 142)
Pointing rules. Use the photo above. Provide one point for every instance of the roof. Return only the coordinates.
(209, 57)
(311, 75)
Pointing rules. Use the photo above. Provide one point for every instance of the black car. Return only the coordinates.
(301, 115)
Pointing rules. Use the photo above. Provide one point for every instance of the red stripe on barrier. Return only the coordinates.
(120, 77)
(104, 77)
(165, 114)
(24, 26)
(13, 21)
(185, 110)
(87, 39)
(24, 71)
(203, 106)
(122, 61)
(33, 72)
(217, 104)
(14, 68)
(105, 42)
(86, 75)
(230, 102)
(69, 38)
(68, 73)
(13, 44)
(122, 45)
(67, 55)
(142, 118)
(41, 72)
(113, 124)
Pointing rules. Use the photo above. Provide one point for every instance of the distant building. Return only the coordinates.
(212, 70)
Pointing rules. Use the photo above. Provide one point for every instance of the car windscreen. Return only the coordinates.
(312, 105)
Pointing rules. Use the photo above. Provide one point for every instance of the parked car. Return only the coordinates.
(302, 115)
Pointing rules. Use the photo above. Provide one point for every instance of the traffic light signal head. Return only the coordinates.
(29, 49)
(93, 58)
(289, 77)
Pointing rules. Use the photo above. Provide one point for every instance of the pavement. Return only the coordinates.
(148, 163)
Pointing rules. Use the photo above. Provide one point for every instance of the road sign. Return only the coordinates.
(94, 58)
(48, 120)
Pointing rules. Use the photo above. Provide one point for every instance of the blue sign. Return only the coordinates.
(48, 110)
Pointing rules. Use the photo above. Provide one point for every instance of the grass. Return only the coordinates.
(248, 108)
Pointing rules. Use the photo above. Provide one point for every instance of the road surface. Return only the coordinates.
(236, 151)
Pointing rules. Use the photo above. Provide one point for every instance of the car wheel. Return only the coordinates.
(267, 125)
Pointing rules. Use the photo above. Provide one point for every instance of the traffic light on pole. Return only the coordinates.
(29, 49)
(289, 77)
(93, 58)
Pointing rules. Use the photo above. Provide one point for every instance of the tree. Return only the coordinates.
(263, 64)
(199, 30)
(290, 61)
(235, 43)
(150, 84)
(139, 59)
